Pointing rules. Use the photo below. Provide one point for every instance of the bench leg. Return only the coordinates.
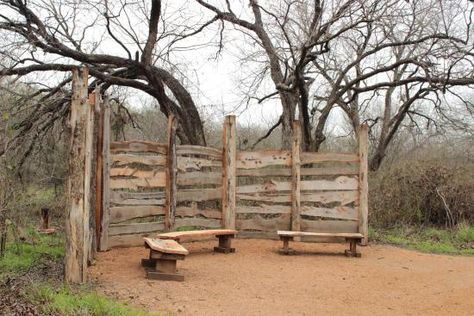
(224, 244)
(352, 251)
(165, 269)
(286, 250)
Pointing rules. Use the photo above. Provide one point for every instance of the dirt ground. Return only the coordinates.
(319, 280)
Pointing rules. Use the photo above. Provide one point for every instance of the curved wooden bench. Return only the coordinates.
(224, 235)
(163, 257)
(352, 238)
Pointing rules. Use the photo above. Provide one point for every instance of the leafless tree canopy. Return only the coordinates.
(55, 36)
(381, 62)
(387, 63)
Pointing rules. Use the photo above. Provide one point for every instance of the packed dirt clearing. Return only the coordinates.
(256, 280)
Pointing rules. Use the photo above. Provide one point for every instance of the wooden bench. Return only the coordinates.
(224, 235)
(161, 263)
(352, 238)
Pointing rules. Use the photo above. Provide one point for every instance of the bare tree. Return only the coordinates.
(322, 55)
(106, 36)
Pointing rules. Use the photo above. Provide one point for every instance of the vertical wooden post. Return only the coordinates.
(295, 178)
(99, 164)
(363, 183)
(171, 174)
(44, 218)
(78, 240)
(229, 158)
(104, 225)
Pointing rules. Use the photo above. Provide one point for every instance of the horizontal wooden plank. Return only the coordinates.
(330, 171)
(158, 181)
(135, 228)
(196, 222)
(263, 209)
(263, 224)
(262, 197)
(268, 187)
(137, 195)
(125, 159)
(137, 198)
(199, 178)
(343, 197)
(311, 157)
(329, 226)
(196, 164)
(200, 233)
(282, 171)
(136, 173)
(264, 158)
(338, 212)
(340, 183)
(133, 240)
(123, 213)
(138, 146)
(199, 195)
(183, 211)
(199, 150)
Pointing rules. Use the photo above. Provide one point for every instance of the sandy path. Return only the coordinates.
(258, 281)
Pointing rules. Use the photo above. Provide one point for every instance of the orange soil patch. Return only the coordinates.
(256, 280)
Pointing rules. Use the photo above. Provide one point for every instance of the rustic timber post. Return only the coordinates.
(363, 183)
(295, 178)
(78, 238)
(229, 158)
(171, 174)
(104, 225)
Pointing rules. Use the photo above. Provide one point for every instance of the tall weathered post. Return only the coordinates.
(363, 183)
(78, 238)
(171, 174)
(295, 178)
(229, 157)
(104, 221)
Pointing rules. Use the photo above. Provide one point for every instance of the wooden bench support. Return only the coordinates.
(286, 250)
(224, 244)
(352, 251)
(162, 261)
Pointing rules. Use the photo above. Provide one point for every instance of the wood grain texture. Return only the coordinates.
(229, 172)
(264, 209)
(198, 233)
(197, 222)
(196, 164)
(214, 153)
(329, 226)
(78, 189)
(295, 177)
(286, 172)
(326, 197)
(264, 158)
(311, 234)
(125, 159)
(363, 183)
(171, 173)
(265, 197)
(136, 173)
(137, 146)
(158, 181)
(103, 243)
(199, 178)
(165, 246)
(183, 211)
(135, 228)
(338, 184)
(137, 198)
(315, 157)
(258, 223)
(199, 195)
(339, 212)
(123, 213)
